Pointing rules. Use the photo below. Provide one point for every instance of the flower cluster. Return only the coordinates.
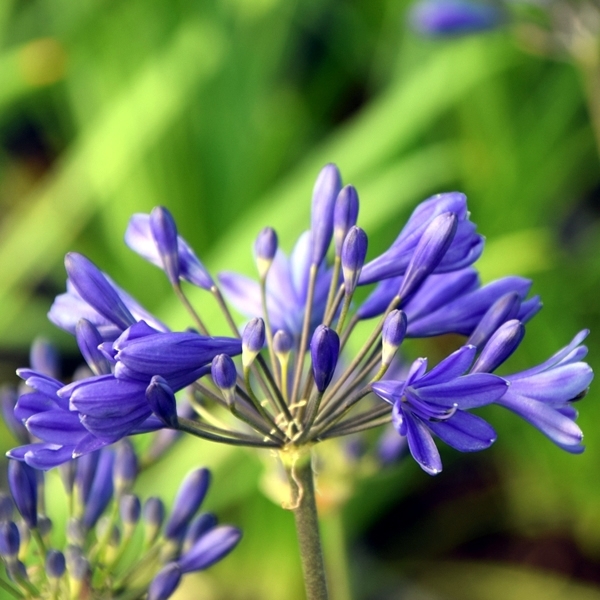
(107, 523)
(289, 379)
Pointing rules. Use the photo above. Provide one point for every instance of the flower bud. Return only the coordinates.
(130, 509)
(282, 343)
(504, 309)
(253, 340)
(164, 232)
(187, 502)
(126, 467)
(162, 401)
(101, 490)
(165, 582)
(9, 540)
(265, 248)
(153, 515)
(354, 252)
(345, 214)
(325, 192)
(93, 286)
(6, 507)
(454, 17)
(89, 340)
(43, 358)
(394, 330)
(500, 346)
(224, 375)
(428, 253)
(55, 564)
(210, 548)
(198, 527)
(324, 351)
(22, 480)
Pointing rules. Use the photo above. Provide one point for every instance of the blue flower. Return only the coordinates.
(146, 239)
(287, 290)
(544, 395)
(93, 296)
(191, 541)
(450, 302)
(437, 402)
(454, 17)
(464, 248)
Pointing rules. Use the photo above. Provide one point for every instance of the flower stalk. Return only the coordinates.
(298, 466)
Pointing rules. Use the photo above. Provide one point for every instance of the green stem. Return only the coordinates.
(335, 550)
(300, 477)
(10, 589)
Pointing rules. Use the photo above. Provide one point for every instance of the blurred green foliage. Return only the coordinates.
(224, 111)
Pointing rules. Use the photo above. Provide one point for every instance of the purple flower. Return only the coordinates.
(451, 302)
(140, 238)
(544, 395)
(287, 289)
(454, 17)
(189, 498)
(465, 248)
(92, 295)
(345, 215)
(179, 357)
(437, 402)
(22, 480)
(324, 350)
(325, 193)
(164, 233)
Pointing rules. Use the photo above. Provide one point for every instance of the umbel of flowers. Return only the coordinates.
(106, 521)
(287, 381)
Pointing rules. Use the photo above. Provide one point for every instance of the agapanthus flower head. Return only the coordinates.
(308, 371)
(95, 541)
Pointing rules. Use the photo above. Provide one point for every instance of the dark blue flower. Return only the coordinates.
(451, 302)
(324, 350)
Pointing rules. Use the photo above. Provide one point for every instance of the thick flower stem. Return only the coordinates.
(300, 476)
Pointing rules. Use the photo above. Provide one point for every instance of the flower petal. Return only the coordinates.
(421, 445)
(469, 391)
(464, 432)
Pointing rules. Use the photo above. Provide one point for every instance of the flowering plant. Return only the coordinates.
(288, 381)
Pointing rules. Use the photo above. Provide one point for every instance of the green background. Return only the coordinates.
(224, 111)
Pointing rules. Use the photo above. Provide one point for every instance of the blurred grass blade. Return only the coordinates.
(99, 162)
